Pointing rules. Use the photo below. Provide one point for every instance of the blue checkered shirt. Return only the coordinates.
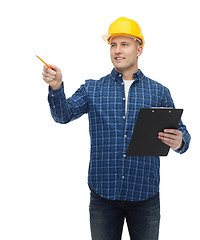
(112, 174)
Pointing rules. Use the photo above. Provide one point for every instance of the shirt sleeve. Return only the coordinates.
(168, 102)
(65, 110)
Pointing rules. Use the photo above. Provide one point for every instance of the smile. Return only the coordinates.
(119, 59)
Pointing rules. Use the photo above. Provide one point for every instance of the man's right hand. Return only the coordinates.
(52, 77)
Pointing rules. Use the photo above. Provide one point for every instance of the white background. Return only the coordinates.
(43, 165)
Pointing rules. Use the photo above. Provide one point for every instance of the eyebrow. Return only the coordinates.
(120, 42)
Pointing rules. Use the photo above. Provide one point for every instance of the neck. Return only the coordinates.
(128, 75)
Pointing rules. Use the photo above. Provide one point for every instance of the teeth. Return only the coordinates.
(119, 58)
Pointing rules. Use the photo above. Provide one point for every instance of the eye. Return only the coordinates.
(124, 44)
(112, 45)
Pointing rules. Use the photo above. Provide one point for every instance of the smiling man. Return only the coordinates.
(122, 187)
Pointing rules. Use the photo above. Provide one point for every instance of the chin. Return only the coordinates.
(119, 69)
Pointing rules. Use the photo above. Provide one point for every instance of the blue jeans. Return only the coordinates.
(107, 218)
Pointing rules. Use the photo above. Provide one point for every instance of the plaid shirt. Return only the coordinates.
(112, 174)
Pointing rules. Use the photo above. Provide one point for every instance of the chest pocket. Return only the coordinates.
(143, 98)
(106, 105)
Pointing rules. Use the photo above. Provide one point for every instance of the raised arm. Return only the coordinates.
(64, 110)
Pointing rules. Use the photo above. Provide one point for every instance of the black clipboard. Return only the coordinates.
(150, 121)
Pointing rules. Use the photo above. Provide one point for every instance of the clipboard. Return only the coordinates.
(150, 121)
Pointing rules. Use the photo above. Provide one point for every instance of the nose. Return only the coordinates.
(118, 50)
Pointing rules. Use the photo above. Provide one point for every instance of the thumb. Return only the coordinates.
(54, 67)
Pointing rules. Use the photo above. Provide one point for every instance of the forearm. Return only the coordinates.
(168, 102)
(58, 106)
(65, 110)
(185, 138)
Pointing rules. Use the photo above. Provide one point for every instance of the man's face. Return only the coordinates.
(124, 53)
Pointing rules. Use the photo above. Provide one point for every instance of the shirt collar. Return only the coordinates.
(119, 77)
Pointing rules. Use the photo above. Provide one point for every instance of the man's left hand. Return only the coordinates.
(172, 138)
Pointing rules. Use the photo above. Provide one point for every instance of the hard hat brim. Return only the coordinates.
(107, 37)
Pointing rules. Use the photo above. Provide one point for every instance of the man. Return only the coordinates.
(122, 187)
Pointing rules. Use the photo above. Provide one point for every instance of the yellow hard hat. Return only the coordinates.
(124, 26)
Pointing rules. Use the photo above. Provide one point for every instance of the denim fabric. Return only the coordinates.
(107, 218)
(112, 174)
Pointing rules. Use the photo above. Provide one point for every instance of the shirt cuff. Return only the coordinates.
(57, 91)
(183, 148)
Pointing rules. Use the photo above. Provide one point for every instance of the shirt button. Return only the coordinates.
(124, 155)
(125, 136)
(52, 95)
(124, 98)
(54, 106)
(122, 83)
(122, 177)
(124, 117)
(120, 75)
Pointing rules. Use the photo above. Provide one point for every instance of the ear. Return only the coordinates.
(139, 50)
